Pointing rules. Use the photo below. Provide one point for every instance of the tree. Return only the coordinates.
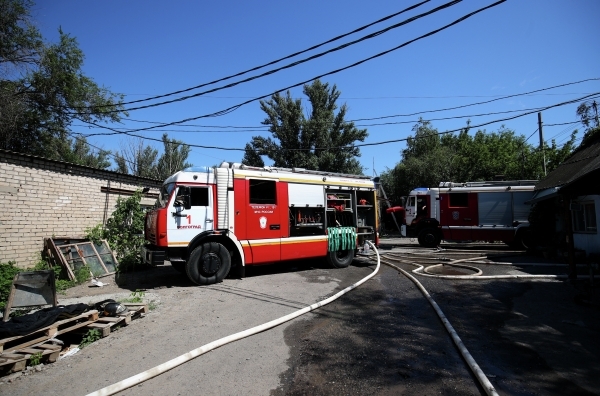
(251, 157)
(588, 112)
(321, 140)
(137, 159)
(431, 157)
(79, 152)
(173, 159)
(42, 88)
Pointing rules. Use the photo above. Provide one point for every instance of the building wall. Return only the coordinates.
(43, 198)
(589, 242)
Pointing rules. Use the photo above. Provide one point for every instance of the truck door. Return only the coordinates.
(266, 219)
(458, 215)
(183, 224)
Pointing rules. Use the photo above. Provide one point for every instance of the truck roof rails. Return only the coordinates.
(490, 183)
(235, 165)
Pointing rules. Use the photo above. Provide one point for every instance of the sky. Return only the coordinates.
(147, 48)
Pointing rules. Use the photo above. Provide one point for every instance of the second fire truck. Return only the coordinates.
(476, 211)
(208, 221)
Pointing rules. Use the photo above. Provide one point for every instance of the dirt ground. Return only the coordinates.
(383, 338)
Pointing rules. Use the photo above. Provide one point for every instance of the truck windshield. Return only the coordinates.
(165, 193)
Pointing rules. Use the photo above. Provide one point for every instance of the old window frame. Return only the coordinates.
(584, 218)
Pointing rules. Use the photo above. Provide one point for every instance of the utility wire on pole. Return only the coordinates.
(542, 140)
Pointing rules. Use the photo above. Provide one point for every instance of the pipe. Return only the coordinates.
(483, 380)
(157, 370)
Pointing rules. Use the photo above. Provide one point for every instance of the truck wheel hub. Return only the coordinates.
(211, 263)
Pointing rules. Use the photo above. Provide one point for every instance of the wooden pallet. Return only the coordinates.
(16, 351)
(106, 324)
(17, 360)
(11, 344)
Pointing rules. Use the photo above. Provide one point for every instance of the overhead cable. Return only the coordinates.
(594, 95)
(275, 61)
(235, 107)
(293, 64)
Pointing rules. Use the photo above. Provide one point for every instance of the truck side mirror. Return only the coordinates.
(184, 193)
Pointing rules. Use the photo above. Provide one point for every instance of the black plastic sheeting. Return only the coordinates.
(22, 325)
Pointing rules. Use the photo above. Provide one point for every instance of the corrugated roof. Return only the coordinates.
(582, 162)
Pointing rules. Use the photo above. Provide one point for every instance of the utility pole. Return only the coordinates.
(542, 140)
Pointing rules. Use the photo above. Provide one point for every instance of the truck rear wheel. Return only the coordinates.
(340, 258)
(208, 264)
(429, 237)
(523, 239)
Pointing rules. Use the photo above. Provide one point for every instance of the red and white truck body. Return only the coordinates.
(208, 220)
(476, 211)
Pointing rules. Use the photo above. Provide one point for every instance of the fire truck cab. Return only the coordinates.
(475, 211)
(209, 220)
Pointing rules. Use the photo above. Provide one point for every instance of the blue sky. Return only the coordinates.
(147, 48)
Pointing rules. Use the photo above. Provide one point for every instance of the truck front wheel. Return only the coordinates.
(429, 238)
(208, 264)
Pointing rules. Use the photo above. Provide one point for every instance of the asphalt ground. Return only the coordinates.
(528, 336)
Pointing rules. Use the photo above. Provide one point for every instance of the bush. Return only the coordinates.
(7, 274)
(124, 231)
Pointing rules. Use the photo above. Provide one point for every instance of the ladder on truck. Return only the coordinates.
(381, 192)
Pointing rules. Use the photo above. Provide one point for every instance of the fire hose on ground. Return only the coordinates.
(171, 364)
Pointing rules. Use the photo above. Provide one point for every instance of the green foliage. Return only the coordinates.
(135, 297)
(61, 278)
(588, 113)
(123, 231)
(44, 91)
(431, 157)
(322, 140)
(95, 234)
(173, 159)
(35, 359)
(90, 337)
(7, 274)
(135, 158)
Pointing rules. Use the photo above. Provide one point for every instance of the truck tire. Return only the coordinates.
(523, 239)
(340, 258)
(429, 237)
(208, 264)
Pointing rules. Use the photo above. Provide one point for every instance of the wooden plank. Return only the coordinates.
(61, 259)
(50, 347)
(27, 343)
(103, 327)
(138, 308)
(12, 343)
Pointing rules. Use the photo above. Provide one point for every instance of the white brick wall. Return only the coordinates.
(53, 198)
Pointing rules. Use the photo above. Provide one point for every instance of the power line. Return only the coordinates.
(477, 103)
(534, 132)
(277, 60)
(594, 95)
(484, 124)
(407, 115)
(265, 129)
(293, 64)
(235, 107)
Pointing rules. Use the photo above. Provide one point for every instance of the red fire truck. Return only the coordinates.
(208, 221)
(476, 211)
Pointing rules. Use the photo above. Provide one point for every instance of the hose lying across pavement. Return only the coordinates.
(483, 380)
(153, 372)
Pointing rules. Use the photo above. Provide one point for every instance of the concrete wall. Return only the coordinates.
(43, 198)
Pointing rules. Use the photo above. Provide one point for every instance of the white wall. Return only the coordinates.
(588, 242)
